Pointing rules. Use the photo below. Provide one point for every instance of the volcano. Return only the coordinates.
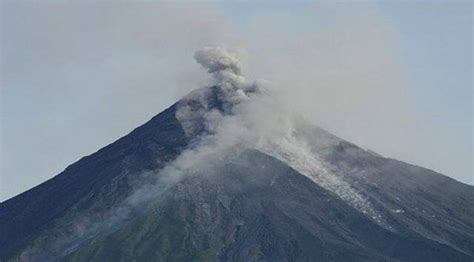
(210, 179)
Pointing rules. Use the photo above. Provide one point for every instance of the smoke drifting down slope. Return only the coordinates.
(254, 118)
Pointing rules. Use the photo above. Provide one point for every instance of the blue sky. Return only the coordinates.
(437, 45)
(436, 41)
(391, 76)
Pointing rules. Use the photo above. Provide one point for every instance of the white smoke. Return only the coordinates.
(230, 89)
(256, 121)
(219, 58)
(224, 65)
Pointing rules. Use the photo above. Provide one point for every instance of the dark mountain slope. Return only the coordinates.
(95, 184)
(105, 176)
(255, 208)
(413, 198)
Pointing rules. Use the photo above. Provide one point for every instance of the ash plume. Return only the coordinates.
(224, 64)
(218, 59)
(197, 110)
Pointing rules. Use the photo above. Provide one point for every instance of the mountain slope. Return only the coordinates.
(105, 176)
(257, 208)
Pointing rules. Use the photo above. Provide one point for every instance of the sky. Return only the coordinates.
(391, 76)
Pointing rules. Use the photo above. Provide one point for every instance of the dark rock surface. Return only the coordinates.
(257, 209)
(97, 181)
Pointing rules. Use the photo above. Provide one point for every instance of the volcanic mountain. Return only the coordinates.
(222, 175)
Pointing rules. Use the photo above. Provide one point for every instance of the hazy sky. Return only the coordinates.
(394, 77)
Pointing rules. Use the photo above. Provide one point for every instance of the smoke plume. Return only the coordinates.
(223, 64)
(258, 122)
(217, 59)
